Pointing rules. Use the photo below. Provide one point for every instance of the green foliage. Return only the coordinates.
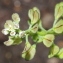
(53, 51)
(36, 31)
(48, 40)
(58, 27)
(29, 52)
(60, 54)
(58, 11)
(34, 15)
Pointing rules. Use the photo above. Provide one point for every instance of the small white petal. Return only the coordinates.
(16, 18)
(12, 33)
(5, 31)
(22, 34)
(16, 26)
(9, 25)
(8, 43)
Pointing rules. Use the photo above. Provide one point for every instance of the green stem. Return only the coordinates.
(41, 27)
(41, 33)
(26, 38)
(55, 21)
(50, 31)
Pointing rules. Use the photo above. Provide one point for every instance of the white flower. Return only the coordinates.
(12, 33)
(5, 31)
(9, 25)
(21, 34)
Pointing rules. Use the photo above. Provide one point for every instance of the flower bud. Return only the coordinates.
(16, 17)
(48, 40)
(59, 11)
(30, 53)
(34, 15)
(34, 28)
(30, 14)
(53, 51)
(27, 46)
(58, 27)
(60, 54)
(12, 33)
(21, 34)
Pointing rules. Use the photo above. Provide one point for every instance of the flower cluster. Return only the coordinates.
(36, 31)
(11, 28)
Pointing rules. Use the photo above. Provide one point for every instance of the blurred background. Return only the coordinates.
(12, 54)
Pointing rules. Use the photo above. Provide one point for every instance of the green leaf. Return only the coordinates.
(60, 54)
(53, 51)
(58, 27)
(16, 39)
(48, 40)
(37, 38)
